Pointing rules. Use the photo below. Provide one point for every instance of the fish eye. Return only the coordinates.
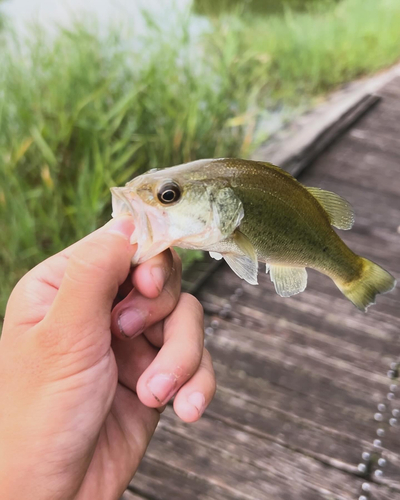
(169, 193)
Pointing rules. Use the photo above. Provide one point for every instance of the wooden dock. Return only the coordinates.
(305, 407)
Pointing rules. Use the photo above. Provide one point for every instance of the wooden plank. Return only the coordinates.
(336, 435)
(391, 91)
(381, 140)
(316, 347)
(160, 479)
(295, 153)
(300, 379)
(382, 124)
(285, 371)
(326, 138)
(245, 465)
(375, 170)
(376, 331)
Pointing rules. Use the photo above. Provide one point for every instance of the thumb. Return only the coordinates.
(95, 270)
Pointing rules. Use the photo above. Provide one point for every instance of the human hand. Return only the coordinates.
(79, 400)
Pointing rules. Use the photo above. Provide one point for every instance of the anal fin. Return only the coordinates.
(288, 280)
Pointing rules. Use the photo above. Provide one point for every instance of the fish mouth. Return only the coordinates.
(124, 204)
(120, 203)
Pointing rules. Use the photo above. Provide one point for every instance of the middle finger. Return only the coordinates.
(179, 357)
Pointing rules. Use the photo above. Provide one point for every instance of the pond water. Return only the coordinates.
(49, 12)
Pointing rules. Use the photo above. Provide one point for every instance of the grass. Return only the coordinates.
(309, 53)
(83, 113)
(84, 110)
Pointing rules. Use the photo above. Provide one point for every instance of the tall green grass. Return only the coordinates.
(86, 109)
(309, 53)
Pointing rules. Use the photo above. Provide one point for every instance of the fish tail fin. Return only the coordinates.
(372, 281)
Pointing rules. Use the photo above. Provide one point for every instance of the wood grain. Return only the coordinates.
(299, 379)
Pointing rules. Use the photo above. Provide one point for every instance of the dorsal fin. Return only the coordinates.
(339, 210)
(278, 169)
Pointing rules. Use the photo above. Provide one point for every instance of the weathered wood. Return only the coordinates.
(329, 432)
(326, 137)
(262, 305)
(246, 464)
(301, 150)
(159, 479)
(300, 379)
(350, 165)
(391, 90)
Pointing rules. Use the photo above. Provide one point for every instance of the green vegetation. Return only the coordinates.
(2, 19)
(82, 111)
(263, 7)
(309, 53)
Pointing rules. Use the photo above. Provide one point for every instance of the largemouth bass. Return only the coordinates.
(248, 212)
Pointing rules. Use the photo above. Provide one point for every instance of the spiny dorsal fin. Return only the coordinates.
(339, 210)
(278, 169)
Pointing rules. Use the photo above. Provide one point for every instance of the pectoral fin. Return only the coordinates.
(244, 263)
(215, 255)
(243, 266)
(288, 280)
(239, 254)
(340, 212)
(245, 246)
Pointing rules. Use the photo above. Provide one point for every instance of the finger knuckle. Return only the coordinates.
(94, 257)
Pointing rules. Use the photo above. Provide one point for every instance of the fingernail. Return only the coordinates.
(158, 276)
(123, 226)
(198, 400)
(131, 323)
(162, 386)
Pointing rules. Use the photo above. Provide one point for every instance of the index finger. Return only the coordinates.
(35, 293)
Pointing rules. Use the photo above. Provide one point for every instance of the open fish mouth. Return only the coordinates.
(124, 204)
(120, 204)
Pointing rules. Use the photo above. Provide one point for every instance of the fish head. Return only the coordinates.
(177, 206)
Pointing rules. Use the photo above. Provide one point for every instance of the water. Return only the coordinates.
(53, 12)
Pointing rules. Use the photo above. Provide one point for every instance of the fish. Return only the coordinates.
(248, 212)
